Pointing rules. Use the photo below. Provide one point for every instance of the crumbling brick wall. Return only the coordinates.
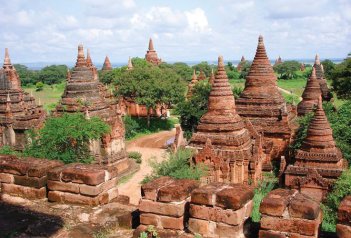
(343, 228)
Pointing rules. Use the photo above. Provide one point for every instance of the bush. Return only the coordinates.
(301, 133)
(341, 188)
(135, 156)
(177, 166)
(263, 188)
(7, 150)
(131, 127)
(39, 86)
(66, 138)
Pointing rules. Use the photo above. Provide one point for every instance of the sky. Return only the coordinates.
(50, 31)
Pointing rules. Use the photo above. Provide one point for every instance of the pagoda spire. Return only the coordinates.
(88, 59)
(212, 77)
(317, 60)
(194, 77)
(107, 64)
(151, 45)
(130, 65)
(81, 62)
(7, 61)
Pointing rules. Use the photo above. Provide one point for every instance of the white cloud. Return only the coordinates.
(197, 20)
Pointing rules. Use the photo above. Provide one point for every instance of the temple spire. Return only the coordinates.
(212, 77)
(107, 64)
(7, 61)
(130, 65)
(317, 60)
(88, 60)
(81, 62)
(151, 45)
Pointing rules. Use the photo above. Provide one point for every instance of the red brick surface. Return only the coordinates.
(175, 209)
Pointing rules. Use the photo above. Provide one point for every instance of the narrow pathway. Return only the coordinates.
(151, 147)
(288, 92)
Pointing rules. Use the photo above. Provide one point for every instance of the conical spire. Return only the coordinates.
(107, 64)
(151, 45)
(212, 77)
(242, 59)
(130, 65)
(88, 60)
(202, 76)
(7, 61)
(319, 133)
(194, 77)
(317, 60)
(81, 62)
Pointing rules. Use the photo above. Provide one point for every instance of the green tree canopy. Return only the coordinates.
(287, 69)
(341, 79)
(328, 67)
(53, 74)
(26, 75)
(203, 66)
(66, 138)
(182, 69)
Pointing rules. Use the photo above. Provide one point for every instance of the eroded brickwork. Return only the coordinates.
(151, 54)
(343, 228)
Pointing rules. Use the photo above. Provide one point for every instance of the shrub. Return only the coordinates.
(135, 156)
(7, 150)
(301, 132)
(177, 166)
(131, 126)
(39, 86)
(66, 138)
(341, 188)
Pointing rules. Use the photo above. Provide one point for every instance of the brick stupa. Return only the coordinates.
(278, 61)
(264, 105)
(151, 55)
(130, 65)
(241, 64)
(84, 93)
(212, 78)
(225, 142)
(310, 95)
(107, 65)
(318, 162)
(18, 110)
(201, 76)
(191, 85)
(326, 94)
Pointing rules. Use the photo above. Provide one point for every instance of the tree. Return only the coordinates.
(66, 138)
(108, 77)
(341, 79)
(245, 68)
(27, 76)
(287, 69)
(191, 111)
(328, 67)
(182, 69)
(231, 71)
(53, 74)
(151, 86)
(39, 86)
(203, 66)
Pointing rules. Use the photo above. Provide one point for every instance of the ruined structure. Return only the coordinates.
(262, 103)
(201, 76)
(225, 142)
(151, 55)
(18, 110)
(107, 65)
(318, 162)
(343, 228)
(241, 64)
(310, 95)
(278, 61)
(191, 85)
(326, 94)
(287, 213)
(84, 93)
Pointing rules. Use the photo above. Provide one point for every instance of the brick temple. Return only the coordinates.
(310, 95)
(241, 64)
(191, 85)
(225, 142)
(326, 93)
(107, 65)
(202, 76)
(151, 54)
(318, 162)
(278, 61)
(263, 104)
(84, 93)
(18, 110)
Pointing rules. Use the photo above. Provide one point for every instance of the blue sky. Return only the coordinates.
(49, 31)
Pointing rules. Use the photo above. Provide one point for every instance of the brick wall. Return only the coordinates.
(343, 228)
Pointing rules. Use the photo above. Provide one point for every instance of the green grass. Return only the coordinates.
(295, 86)
(49, 96)
(125, 178)
(237, 83)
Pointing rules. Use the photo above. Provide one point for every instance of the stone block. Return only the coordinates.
(6, 178)
(275, 203)
(83, 173)
(300, 226)
(174, 209)
(150, 190)
(33, 182)
(96, 190)
(63, 187)
(271, 234)
(23, 191)
(63, 197)
(224, 230)
(343, 231)
(163, 222)
(40, 169)
(177, 191)
(12, 165)
(304, 207)
(206, 195)
(344, 211)
(234, 197)
(217, 214)
(203, 227)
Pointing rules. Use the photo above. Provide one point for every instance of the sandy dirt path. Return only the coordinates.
(150, 146)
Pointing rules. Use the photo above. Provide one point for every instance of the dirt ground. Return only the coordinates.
(151, 147)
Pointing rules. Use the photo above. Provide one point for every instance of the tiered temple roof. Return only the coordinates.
(151, 55)
(318, 160)
(107, 65)
(310, 95)
(264, 105)
(192, 85)
(326, 94)
(241, 63)
(228, 134)
(18, 109)
(278, 61)
(84, 92)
